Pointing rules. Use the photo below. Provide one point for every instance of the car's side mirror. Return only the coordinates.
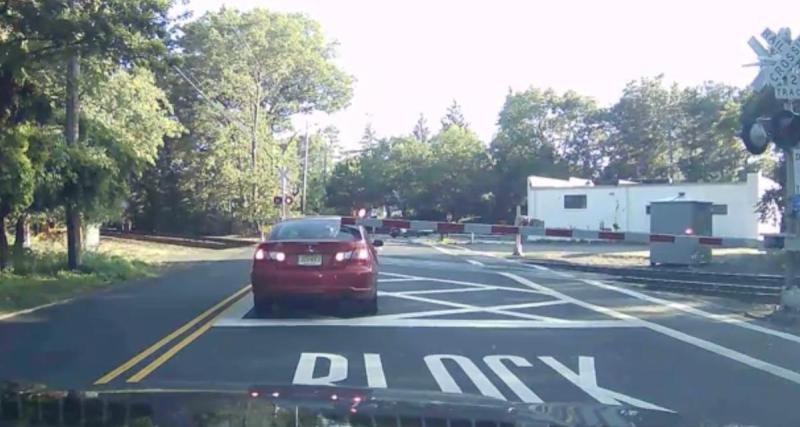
(377, 243)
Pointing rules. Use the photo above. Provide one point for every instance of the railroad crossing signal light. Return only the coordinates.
(756, 137)
(786, 129)
(783, 128)
(278, 200)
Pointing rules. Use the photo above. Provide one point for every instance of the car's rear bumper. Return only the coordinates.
(273, 284)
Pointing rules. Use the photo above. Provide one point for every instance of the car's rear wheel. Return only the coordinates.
(264, 308)
(370, 307)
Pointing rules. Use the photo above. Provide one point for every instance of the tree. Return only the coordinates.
(16, 179)
(345, 189)
(42, 35)
(369, 138)
(454, 117)
(525, 144)
(459, 160)
(708, 126)
(241, 77)
(644, 139)
(421, 131)
(580, 132)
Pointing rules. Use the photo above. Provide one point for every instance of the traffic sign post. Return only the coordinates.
(283, 174)
(780, 68)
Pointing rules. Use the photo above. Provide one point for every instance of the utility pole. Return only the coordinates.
(305, 174)
(71, 133)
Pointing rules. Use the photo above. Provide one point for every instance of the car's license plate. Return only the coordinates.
(309, 260)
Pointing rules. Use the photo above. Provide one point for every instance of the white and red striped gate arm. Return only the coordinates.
(566, 233)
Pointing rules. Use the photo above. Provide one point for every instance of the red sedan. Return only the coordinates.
(316, 259)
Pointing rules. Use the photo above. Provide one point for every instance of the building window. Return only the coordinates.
(719, 209)
(647, 209)
(575, 201)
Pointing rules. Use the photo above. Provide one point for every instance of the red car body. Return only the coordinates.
(316, 259)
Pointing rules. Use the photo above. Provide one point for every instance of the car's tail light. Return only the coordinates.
(360, 255)
(262, 254)
(343, 256)
(276, 256)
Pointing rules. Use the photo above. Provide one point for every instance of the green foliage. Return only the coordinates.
(255, 70)
(454, 117)
(644, 121)
(42, 277)
(16, 171)
(529, 129)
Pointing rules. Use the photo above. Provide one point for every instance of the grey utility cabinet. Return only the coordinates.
(681, 217)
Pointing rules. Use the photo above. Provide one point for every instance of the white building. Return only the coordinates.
(577, 203)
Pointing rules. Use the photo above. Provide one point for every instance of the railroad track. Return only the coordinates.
(762, 288)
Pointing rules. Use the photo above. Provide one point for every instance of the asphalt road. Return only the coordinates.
(450, 320)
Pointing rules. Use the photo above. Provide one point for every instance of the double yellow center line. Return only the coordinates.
(209, 315)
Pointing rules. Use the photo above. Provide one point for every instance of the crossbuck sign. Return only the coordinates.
(780, 64)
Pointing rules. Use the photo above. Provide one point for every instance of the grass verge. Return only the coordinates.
(41, 277)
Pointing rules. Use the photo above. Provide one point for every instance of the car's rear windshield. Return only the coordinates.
(315, 230)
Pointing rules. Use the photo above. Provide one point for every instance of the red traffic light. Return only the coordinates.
(289, 200)
(786, 129)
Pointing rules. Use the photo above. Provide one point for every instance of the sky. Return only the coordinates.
(417, 56)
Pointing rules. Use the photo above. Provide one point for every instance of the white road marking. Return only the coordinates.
(495, 363)
(543, 268)
(586, 379)
(678, 335)
(473, 284)
(445, 291)
(493, 255)
(725, 318)
(304, 373)
(473, 308)
(406, 279)
(240, 308)
(426, 323)
(478, 263)
(446, 382)
(374, 369)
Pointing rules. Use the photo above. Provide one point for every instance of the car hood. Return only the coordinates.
(197, 405)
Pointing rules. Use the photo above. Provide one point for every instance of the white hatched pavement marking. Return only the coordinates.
(234, 316)
(678, 335)
(445, 291)
(426, 323)
(478, 263)
(404, 279)
(725, 318)
(473, 284)
(467, 308)
(732, 319)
